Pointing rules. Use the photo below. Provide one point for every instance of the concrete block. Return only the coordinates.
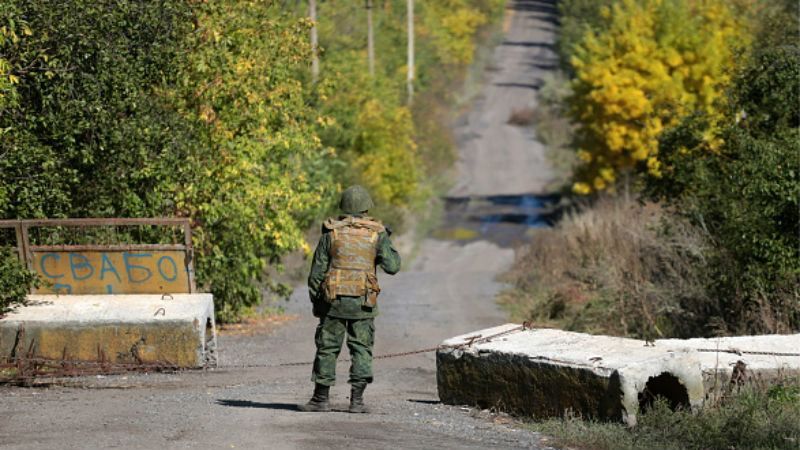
(176, 329)
(546, 372)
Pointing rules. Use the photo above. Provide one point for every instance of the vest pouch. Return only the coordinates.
(372, 290)
(352, 283)
(328, 289)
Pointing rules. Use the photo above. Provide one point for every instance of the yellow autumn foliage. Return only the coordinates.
(387, 154)
(452, 24)
(654, 62)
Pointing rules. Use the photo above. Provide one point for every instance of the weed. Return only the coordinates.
(757, 417)
(619, 267)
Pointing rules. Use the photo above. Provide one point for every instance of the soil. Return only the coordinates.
(448, 290)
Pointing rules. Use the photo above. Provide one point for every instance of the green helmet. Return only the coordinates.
(355, 199)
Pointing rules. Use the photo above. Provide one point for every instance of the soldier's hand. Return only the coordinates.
(318, 309)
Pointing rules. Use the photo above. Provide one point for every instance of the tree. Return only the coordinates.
(747, 193)
(651, 63)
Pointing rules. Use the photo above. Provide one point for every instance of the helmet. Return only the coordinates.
(355, 199)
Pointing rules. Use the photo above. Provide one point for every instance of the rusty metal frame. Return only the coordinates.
(25, 250)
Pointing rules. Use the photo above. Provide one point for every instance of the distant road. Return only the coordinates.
(494, 156)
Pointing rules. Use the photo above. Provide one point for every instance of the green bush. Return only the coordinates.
(577, 17)
(166, 108)
(15, 281)
(747, 195)
(82, 134)
(205, 110)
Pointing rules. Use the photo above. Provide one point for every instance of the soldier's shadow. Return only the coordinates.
(249, 404)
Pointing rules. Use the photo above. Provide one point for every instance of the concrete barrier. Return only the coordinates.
(546, 372)
(176, 329)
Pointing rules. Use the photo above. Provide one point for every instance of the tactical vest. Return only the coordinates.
(354, 247)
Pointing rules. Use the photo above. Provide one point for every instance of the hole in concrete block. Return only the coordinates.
(666, 386)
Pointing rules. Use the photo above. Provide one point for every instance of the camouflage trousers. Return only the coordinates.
(330, 333)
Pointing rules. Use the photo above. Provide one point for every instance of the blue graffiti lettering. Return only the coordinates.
(129, 268)
(84, 264)
(46, 256)
(174, 268)
(108, 266)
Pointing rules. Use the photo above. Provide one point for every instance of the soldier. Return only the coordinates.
(344, 290)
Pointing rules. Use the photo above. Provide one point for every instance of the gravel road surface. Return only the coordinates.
(448, 290)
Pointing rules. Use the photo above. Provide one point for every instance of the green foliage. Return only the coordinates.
(577, 19)
(82, 108)
(15, 281)
(652, 63)
(205, 110)
(748, 194)
(452, 26)
(169, 108)
(666, 88)
(385, 144)
(260, 174)
(757, 417)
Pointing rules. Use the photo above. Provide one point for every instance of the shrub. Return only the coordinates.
(757, 417)
(747, 194)
(617, 268)
(577, 18)
(15, 281)
(259, 175)
(170, 108)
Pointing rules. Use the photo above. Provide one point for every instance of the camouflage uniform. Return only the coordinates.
(347, 315)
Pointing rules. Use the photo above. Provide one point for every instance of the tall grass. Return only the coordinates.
(757, 417)
(618, 267)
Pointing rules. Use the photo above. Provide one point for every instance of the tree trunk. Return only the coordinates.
(410, 77)
(370, 40)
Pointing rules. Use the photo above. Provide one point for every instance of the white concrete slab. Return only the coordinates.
(617, 369)
(177, 328)
(113, 308)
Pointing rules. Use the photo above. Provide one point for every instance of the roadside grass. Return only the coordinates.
(551, 125)
(756, 417)
(615, 267)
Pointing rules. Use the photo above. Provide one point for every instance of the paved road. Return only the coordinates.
(448, 290)
(497, 157)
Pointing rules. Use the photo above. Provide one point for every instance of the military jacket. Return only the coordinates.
(346, 307)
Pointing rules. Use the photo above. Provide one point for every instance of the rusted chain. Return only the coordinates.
(11, 363)
(32, 368)
(28, 368)
(471, 340)
(36, 368)
(745, 352)
(58, 368)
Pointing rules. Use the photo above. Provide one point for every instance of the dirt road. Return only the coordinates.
(448, 290)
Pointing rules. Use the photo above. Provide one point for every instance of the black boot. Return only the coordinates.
(357, 399)
(319, 402)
